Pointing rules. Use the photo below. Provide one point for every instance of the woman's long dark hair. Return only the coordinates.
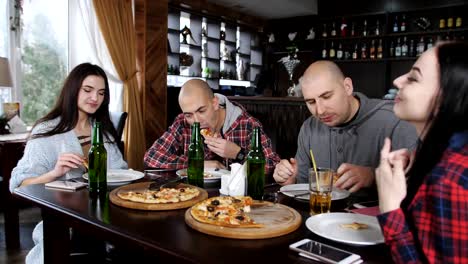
(66, 106)
(448, 116)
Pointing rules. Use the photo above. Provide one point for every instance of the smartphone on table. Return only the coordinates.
(324, 253)
(366, 204)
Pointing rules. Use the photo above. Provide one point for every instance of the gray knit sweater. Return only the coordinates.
(359, 142)
(40, 154)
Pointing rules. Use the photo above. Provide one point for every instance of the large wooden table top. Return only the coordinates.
(166, 235)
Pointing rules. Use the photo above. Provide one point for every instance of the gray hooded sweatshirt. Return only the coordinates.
(358, 143)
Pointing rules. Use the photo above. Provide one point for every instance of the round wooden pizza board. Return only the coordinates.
(277, 219)
(141, 186)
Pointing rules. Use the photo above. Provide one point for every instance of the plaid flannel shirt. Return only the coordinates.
(440, 212)
(171, 149)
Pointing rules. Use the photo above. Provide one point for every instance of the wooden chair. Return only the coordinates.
(118, 120)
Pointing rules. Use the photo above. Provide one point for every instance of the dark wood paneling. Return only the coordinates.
(281, 118)
(153, 17)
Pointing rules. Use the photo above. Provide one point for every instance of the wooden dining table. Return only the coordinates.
(164, 236)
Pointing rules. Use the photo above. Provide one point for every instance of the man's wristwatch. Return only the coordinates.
(240, 155)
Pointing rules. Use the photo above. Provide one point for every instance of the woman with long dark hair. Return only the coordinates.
(60, 141)
(425, 218)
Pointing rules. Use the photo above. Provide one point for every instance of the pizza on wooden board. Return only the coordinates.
(163, 196)
(228, 211)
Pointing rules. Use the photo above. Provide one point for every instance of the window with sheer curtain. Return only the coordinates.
(55, 37)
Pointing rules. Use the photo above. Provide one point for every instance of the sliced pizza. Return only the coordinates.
(227, 211)
(163, 196)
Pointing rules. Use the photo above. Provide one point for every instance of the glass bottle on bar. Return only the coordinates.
(333, 31)
(332, 52)
(380, 50)
(395, 24)
(364, 28)
(196, 157)
(398, 48)
(364, 51)
(97, 161)
(256, 167)
(377, 28)
(404, 48)
(355, 52)
(339, 52)
(403, 24)
(324, 51)
(372, 50)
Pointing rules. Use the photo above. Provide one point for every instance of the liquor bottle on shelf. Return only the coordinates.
(339, 52)
(420, 47)
(403, 24)
(430, 44)
(355, 52)
(333, 31)
(450, 22)
(391, 51)
(324, 32)
(353, 32)
(438, 39)
(324, 51)
(411, 49)
(458, 22)
(364, 51)
(343, 27)
(395, 24)
(332, 51)
(398, 48)
(380, 50)
(372, 50)
(377, 28)
(364, 28)
(442, 23)
(404, 48)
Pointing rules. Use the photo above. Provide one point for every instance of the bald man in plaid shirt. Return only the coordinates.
(229, 121)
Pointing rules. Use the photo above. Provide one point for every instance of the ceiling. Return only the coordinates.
(271, 9)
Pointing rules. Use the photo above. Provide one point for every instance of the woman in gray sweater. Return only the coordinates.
(60, 141)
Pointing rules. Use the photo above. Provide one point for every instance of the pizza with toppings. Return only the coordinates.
(207, 132)
(225, 211)
(163, 196)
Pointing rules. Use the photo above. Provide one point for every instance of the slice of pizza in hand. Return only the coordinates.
(225, 211)
(208, 132)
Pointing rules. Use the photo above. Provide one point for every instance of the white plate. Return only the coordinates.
(296, 189)
(328, 226)
(121, 176)
(215, 174)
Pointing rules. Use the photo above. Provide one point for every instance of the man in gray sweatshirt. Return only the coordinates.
(346, 130)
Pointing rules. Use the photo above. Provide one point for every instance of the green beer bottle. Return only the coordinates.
(97, 159)
(255, 167)
(196, 157)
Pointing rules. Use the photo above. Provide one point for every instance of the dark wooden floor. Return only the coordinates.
(29, 217)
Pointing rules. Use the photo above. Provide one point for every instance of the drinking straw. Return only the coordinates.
(315, 170)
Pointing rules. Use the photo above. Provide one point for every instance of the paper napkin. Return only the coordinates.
(234, 184)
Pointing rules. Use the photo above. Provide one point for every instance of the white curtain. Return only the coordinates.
(87, 45)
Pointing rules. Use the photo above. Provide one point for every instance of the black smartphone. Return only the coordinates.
(325, 253)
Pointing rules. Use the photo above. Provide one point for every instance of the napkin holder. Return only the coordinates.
(234, 184)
